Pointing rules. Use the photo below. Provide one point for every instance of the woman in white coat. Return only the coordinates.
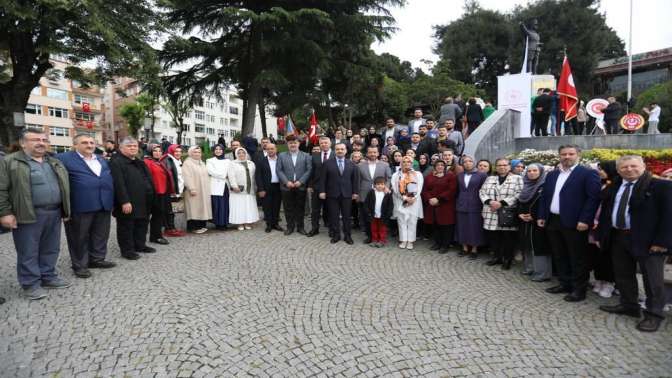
(243, 209)
(221, 180)
(406, 188)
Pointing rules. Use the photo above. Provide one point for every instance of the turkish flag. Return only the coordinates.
(86, 107)
(569, 99)
(89, 125)
(281, 125)
(312, 134)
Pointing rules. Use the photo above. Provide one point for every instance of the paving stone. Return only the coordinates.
(229, 304)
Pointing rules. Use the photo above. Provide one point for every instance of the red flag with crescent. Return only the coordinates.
(312, 134)
(569, 99)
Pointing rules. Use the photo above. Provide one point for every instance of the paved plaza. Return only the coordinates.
(255, 304)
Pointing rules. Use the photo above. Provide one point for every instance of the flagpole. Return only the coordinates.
(630, 59)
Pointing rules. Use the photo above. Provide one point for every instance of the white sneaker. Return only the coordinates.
(607, 290)
(241, 228)
(409, 245)
(248, 227)
(402, 245)
(200, 230)
(597, 287)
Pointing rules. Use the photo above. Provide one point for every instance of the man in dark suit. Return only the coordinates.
(268, 187)
(567, 210)
(293, 170)
(636, 227)
(541, 111)
(318, 205)
(133, 196)
(91, 201)
(339, 138)
(339, 183)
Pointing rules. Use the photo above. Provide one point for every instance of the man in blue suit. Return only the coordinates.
(91, 198)
(339, 185)
(567, 210)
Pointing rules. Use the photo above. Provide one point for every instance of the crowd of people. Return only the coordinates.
(397, 184)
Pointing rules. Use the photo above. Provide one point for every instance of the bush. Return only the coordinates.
(662, 95)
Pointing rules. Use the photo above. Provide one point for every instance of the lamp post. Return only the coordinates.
(630, 60)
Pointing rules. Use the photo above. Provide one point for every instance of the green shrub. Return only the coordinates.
(662, 95)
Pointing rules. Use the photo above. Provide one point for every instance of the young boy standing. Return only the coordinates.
(379, 211)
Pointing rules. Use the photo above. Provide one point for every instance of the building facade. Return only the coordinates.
(63, 108)
(648, 69)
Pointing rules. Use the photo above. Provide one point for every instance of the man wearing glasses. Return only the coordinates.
(34, 198)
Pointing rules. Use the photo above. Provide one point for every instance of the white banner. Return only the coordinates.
(515, 92)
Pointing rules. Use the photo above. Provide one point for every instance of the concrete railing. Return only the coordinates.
(588, 142)
(495, 137)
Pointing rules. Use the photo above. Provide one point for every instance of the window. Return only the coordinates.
(92, 134)
(33, 109)
(233, 110)
(220, 131)
(199, 128)
(198, 102)
(187, 128)
(59, 131)
(187, 141)
(84, 116)
(211, 118)
(58, 149)
(58, 94)
(199, 115)
(58, 112)
(210, 131)
(221, 121)
(221, 108)
(210, 105)
(34, 126)
(79, 99)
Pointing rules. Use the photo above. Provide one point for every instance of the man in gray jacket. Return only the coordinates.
(369, 169)
(293, 170)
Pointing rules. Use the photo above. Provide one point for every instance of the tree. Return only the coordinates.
(662, 95)
(480, 45)
(262, 46)
(112, 33)
(134, 114)
(149, 75)
(178, 106)
(432, 90)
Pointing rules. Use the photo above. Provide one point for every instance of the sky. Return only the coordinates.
(414, 40)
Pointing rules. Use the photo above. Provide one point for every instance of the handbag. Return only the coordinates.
(507, 216)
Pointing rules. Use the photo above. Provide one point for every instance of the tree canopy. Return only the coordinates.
(110, 34)
(479, 45)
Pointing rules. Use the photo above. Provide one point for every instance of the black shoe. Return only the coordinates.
(536, 279)
(649, 324)
(461, 253)
(334, 240)
(367, 240)
(558, 290)
(443, 251)
(575, 297)
(82, 273)
(312, 233)
(301, 231)
(506, 265)
(348, 240)
(160, 241)
(331, 234)
(473, 256)
(289, 231)
(2, 300)
(277, 227)
(619, 309)
(493, 262)
(130, 256)
(101, 264)
(268, 229)
(435, 247)
(147, 249)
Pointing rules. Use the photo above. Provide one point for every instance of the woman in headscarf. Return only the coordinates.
(438, 203)
(221, 180)
(500, 191)
(532, 238)
(243, 209)
(172, 160)
(197, 206)
(518, 167)
(600, 260)
(163, 188)
(406, 188)
(387, 148)
(469, 220)
(424, 164)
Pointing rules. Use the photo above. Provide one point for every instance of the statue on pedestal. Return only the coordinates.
(533, 46)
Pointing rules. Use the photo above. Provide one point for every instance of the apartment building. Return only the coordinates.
(63, 109)
(210, 117)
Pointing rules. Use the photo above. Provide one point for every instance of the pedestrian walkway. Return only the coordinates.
(250, 303)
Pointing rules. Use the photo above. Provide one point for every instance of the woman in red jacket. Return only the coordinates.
(163, 188)
(438, 203)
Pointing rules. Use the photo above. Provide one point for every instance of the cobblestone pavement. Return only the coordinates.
(255, 304)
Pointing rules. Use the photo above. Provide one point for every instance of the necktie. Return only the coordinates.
(340, 165)
(620, 213)
(324, 156)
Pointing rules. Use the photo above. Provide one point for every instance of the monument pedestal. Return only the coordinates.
(516, 91)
